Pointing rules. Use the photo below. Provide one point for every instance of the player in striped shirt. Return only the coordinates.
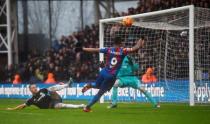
(107, 76)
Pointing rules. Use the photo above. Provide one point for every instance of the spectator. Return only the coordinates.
(9, 73)
(39, 74)
(17, 79)
(149, 77)
(50, 79)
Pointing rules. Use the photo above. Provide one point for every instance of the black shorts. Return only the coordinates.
(55, 99)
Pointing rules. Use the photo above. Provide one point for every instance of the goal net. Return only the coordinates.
(177, 47)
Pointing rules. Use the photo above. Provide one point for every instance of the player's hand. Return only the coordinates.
(141, 42)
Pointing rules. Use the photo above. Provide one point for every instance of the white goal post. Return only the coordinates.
(164, 29)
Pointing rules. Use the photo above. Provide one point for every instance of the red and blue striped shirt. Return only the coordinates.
(114, 58)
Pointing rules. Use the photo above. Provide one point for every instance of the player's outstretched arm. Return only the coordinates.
(139, 44)
(91, 49)
(22, 106)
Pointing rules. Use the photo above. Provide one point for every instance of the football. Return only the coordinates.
(127, 21)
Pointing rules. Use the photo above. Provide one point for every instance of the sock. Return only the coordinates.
(149, 97)
(62, 105)
(95, 98)
(114, 95)
(58, 87)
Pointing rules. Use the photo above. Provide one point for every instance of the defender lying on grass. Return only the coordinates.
(47, 98)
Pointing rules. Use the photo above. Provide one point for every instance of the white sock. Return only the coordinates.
(62, 105)
(58, 87)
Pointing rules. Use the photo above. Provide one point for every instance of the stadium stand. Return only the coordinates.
(65, 58)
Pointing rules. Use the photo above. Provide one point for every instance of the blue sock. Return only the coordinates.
(114, 95)
(95, 98)
(93, 101)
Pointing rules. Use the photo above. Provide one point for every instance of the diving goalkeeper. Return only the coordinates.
(47, 98)
(127, 78)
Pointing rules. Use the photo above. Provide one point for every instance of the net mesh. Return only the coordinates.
(166, 49)
(202, 55)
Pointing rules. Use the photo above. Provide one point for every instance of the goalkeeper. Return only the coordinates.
(126, 78)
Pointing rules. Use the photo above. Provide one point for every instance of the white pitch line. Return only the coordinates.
(22, 113)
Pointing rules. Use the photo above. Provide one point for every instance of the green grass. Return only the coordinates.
(132, 113)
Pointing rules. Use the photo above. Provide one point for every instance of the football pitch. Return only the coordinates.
(126, 113)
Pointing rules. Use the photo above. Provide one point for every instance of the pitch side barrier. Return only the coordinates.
(161, 91)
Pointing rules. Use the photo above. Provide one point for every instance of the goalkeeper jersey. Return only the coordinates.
(128, 67)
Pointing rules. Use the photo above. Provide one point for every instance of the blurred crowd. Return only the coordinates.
(65, 58)
(155, 5)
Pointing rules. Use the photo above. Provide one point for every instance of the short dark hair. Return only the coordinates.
(31, 85)
(117, 40)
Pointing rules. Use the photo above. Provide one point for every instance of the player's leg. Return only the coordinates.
(64, 105)
(97, 84)
(60, 86)
(147, 94)
(94, 100)
(117, 84)
(149, 97)
(105, 86)
(114, 95)
(128, 81)
(57, 102)
(136, 84)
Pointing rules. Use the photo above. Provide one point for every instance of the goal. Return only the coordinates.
(177, 46)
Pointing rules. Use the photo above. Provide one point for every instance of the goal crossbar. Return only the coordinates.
(149, 13)
(190, 8)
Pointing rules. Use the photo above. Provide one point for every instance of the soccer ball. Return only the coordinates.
(127, 21)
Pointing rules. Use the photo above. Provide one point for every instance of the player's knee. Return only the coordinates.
(116, 84)
(58, 106)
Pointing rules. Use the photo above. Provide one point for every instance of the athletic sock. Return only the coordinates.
(62, 105)
(58, 87)
(114, 95)
(94, 100)
(149, 97)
